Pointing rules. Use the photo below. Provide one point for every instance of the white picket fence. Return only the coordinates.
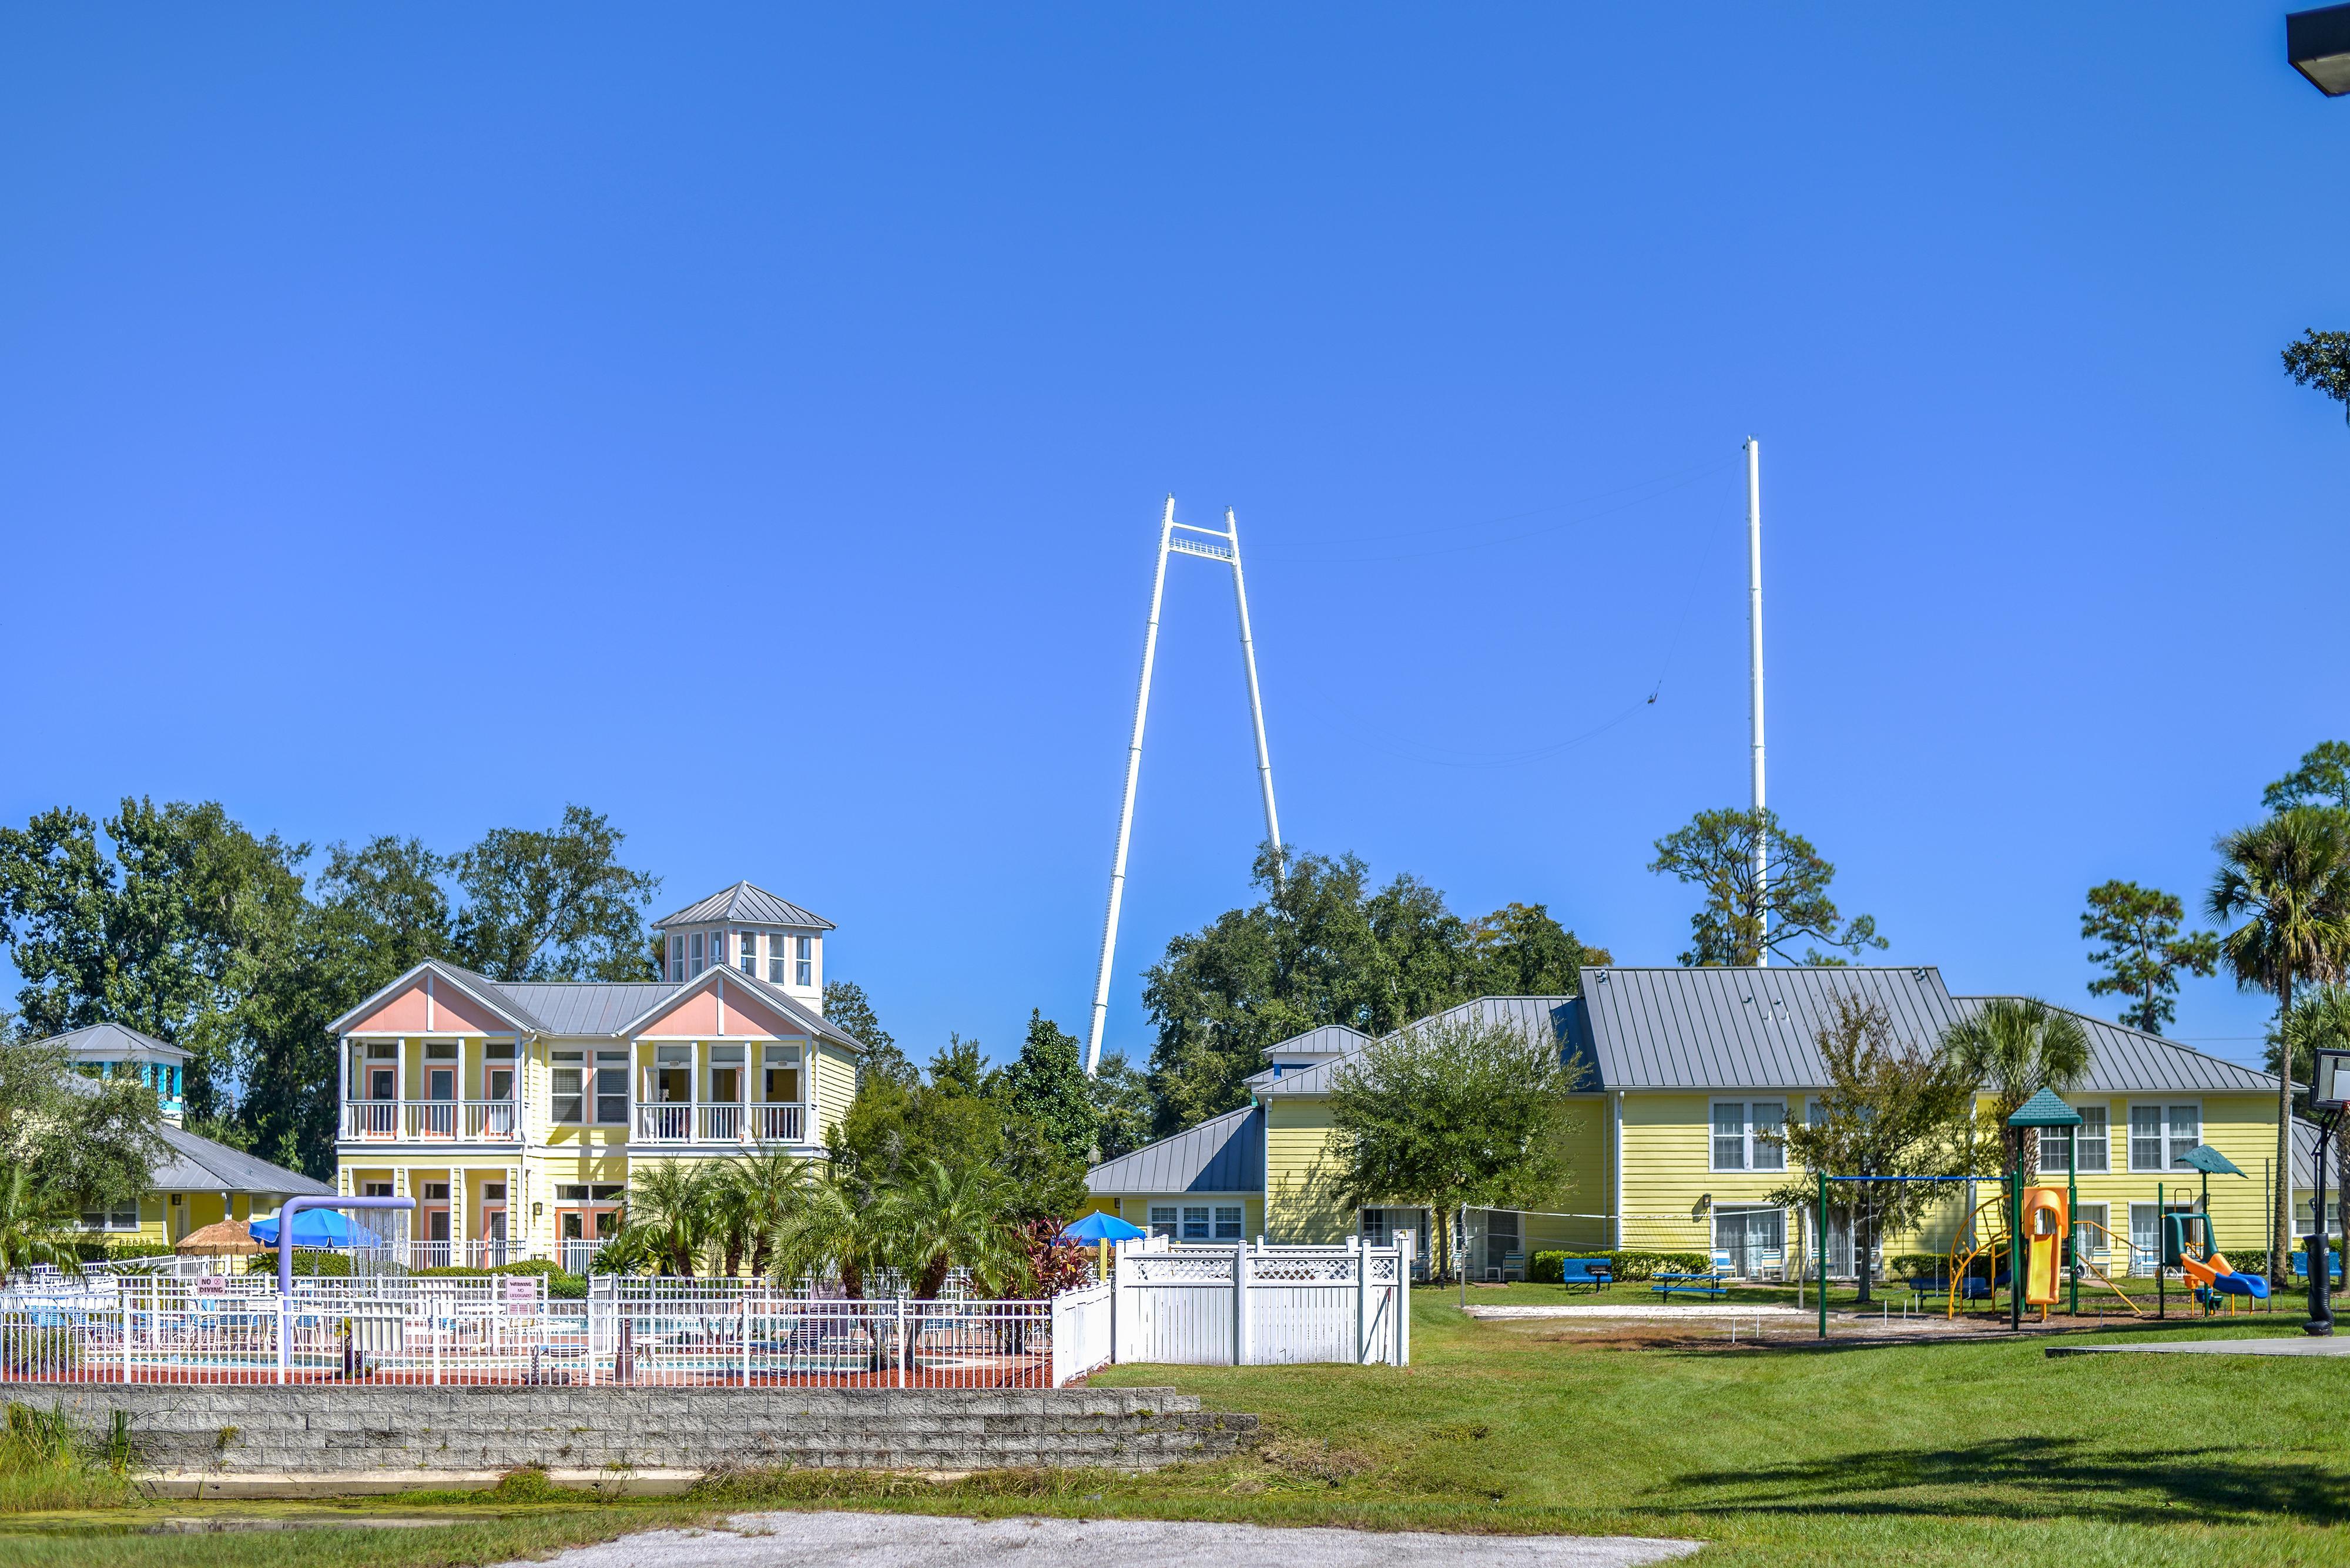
(1254, 1305)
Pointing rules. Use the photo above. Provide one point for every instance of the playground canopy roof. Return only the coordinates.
(2209, 1161)
(2045, 1109)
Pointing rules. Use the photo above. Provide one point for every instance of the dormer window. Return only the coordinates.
(694, 948)
(746, 953)
(803, 970)
(777, 960)
(673, 948)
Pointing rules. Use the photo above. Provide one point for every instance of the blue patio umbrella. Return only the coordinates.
(312, 1228)
(1099, 1227)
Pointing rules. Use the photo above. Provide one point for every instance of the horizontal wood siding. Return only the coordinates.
(1302, 1203)
(836, 1086)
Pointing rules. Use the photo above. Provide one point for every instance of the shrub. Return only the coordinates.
(1547, 1267)
(450, 1271)
(307, 1260)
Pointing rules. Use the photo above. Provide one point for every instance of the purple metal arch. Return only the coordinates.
(294, 1206)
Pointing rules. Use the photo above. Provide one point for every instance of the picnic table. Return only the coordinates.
(1710, 1284)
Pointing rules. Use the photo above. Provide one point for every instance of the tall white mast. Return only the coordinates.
(1125, 808)
(1754, 664)
(1178, 539)
(1256, 703)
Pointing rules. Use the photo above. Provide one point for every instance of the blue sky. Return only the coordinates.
(753, 423)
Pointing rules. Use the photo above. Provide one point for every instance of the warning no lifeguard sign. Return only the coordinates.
(522, 1295)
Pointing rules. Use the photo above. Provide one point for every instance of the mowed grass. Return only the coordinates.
(1959, 1453)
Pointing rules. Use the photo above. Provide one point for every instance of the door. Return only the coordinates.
(1503, 1256)
(440, 1089)
(494, 1223)
(497, 1115)
(1755, 1239)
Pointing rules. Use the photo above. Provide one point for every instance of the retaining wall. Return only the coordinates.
(319, 1433)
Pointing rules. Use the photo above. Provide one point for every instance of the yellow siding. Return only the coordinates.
(836, 1086)
(1135, 1210)
(1301, 1202)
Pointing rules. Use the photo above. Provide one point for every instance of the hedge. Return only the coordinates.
(1548, 1268)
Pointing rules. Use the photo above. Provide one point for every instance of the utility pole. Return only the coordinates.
(1755, 675)
(1178, 539)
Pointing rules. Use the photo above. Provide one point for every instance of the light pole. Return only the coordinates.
(2329, 1081)
(2317, 43)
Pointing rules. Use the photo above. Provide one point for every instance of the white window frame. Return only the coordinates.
(1165, 1220)
(746, 953)
(1231, 1223)
(1201, 1215)
(2172, 1150)
(1751, 1146)
(2097, 1243)
(804, 961)
(778, 961)
(694, 955)
(573, 1065)
(125, 1218)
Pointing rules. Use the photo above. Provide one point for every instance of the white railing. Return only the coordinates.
(665, 1124)
(716, 1122)
(510, 1334)
(476, 1121)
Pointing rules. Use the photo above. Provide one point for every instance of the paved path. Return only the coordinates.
(1645, 1314)
(893, 1539)
(2299, 1344)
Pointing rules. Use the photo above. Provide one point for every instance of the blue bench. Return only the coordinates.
(1707, 1284)
(1592, 1271)
(2333, 1265)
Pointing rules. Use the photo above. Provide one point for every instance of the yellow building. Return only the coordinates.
(1685, 1073)
(200, 1182)
(513, 1114)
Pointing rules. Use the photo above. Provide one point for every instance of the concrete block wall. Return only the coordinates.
(316, 1431)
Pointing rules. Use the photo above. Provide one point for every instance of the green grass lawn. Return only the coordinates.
(1967, 1453)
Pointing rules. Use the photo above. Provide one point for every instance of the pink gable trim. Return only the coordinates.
(452, 1011)
(696, 1015)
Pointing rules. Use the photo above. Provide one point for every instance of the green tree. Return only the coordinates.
(1453, 1112)
(1893, 1108)
(35, 1225)
(675, 1213)
(2286, 884)
(756, 1197)
(2013, 1047)
(1745, 911)
(1520, 951)
(83, 1142)
(943, 1216)
(1121, 1105)
(556, 905)
(2321, 360)
(1046, 1087)
(2143, 951)
(1323, 946)
(846, 1009)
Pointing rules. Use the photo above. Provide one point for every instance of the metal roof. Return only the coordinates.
(1541, 1015)
(1224, 1154)
(2124, 1061)
(116, 1040)
(1329, 1039)
(196, 1164)
(751, 904)
(582, 1007)
(1738, 1028)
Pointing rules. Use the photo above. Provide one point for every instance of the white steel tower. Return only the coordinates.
(1755, 669)
(1180, 539)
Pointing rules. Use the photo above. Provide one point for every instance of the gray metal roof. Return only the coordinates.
(115, 1040)
(582, 1007)
(1224, 1154)
(1738, 1028)
(1541, 1015)
(1327, 1040)
(194, 1164)
(2123, 1060)
(751, 905)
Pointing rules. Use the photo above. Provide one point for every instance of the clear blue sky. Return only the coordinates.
(754, 425)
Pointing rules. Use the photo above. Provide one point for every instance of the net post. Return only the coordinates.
(1819, 1233)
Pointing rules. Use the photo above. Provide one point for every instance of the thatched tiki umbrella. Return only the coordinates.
(226, 1240)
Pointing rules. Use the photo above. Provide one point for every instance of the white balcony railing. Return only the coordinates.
(415, 1121)
(720, 1123)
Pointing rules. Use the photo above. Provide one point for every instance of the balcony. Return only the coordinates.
(431, 1121)
(720, 1123)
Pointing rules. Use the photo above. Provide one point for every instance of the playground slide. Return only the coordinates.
(2215, 1274)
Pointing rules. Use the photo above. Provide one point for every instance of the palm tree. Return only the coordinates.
(2287, 881)
(944, 1216)
(34, 1226)
(758, 1194)
(2013, 1047)
(672, 1214)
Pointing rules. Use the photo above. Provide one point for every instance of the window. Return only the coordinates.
(2162, 1135)
(674, 948)
(1746, 1135)
(695, 947)
(1195, 1222)
(493, 1192)
(440, 1049)
(718, 949)
(1379, 1227)
(2301, 1218)
(1162, 1220)
(569, 1107)
(746, 953)
(775, 957)
(436, 1191)
(375, 1190)
(805, 974)
(122, 1218)
(612, 1086)
(2057, 1144)
(1755, 1239)
(1228, 1222)
(783, 1069)
(2092, 1236)
(2094, 1158)
(725, 1075)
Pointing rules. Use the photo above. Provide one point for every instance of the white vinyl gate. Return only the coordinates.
(1262, 1306)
